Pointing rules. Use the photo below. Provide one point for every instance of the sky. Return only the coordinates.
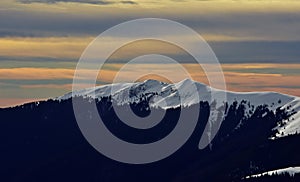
(256, 41)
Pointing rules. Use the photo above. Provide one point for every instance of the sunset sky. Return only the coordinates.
(256, 41)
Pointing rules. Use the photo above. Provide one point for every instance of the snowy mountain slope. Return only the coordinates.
(291, 170)
(292, 125)
(166, 95)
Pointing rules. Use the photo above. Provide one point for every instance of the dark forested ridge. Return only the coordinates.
(42, 142)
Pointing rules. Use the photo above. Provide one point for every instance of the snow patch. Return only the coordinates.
(291, 170)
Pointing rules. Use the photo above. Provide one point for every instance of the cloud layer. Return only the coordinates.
(95, 2)
(41, 41)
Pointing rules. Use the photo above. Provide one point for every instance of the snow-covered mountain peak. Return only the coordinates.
(188, 92)
(151, 82)
(186, 81)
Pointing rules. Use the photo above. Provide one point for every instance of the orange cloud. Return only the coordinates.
(36, 73)
(241, 80)
(53, 47)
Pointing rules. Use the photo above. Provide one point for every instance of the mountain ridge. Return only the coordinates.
(165, 90)
(165, 95)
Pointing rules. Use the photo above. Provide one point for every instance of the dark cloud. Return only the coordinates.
(37, 59)
(46, 82)
(20, 33)
(128, 2)
(18, 23)
(96, 2)
(280, 38)
(279, 26)
(257, 51)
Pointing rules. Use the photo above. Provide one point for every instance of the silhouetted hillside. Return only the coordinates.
(42, 142)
